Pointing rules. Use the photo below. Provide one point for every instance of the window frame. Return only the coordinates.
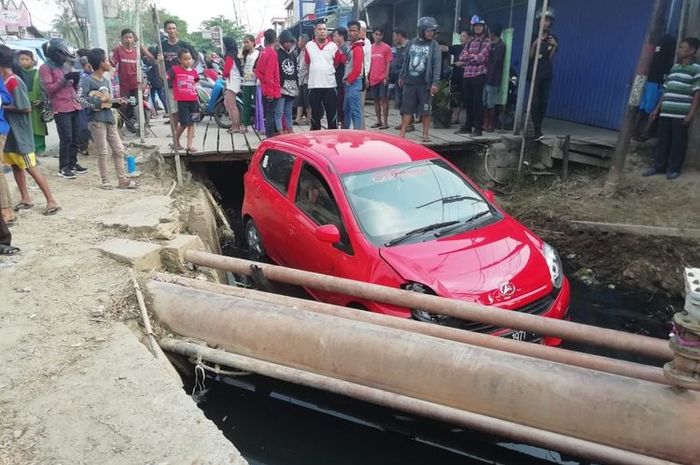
(272, 183)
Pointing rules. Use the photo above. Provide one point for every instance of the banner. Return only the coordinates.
(15, 18)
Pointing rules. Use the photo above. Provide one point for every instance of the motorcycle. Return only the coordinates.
(211, 102)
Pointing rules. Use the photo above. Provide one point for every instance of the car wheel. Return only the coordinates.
(256, 250)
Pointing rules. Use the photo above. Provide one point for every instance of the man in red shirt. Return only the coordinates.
(124, 59)
(268, 73)
(379, 79)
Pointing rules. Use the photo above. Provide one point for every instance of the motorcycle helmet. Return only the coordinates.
(548, 13)
(427, 23)
(59, 52)
(286, 36)
(477, 20)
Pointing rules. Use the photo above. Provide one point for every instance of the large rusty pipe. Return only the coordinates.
(625, 413)
(501, 428)
(634, 343)
(569, 357)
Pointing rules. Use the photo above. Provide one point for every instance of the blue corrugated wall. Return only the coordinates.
(600, 42)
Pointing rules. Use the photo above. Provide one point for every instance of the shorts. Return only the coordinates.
(302, 99)
(491, 96)
(650, 97)
(416, 100)
(188, 113)
(379, 91)
(21, 161)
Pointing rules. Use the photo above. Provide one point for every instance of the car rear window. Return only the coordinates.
(277, 167)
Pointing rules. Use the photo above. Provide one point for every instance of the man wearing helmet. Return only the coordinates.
(420, 75)
(60, 82)
(475, 58)
(545, 70)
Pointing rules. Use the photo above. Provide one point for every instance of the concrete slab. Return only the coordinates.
(166, 231)
(141, 216)
(141, 255)
(173, 252)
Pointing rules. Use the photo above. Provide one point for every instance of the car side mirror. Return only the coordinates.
(328, 233)
(489, 196)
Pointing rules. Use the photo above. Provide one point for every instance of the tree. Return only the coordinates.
(66, 24)
(228, 27)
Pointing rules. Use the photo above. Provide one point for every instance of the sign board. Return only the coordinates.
(55, 35)
(15, 18)
(217, 37)
(206, 35)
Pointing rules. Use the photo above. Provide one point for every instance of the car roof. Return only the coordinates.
(354, 151)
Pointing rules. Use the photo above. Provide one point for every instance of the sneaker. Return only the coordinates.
(651, 172)
(671, 175)
(79, 169)
(477, 133)
(67, 173)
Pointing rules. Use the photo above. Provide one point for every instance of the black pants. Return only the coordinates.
(540, 100)
(5, 235)
(270, 106)
(473, 99)
(68, 128)
(673, 143)
(323, 100)
(159, 94)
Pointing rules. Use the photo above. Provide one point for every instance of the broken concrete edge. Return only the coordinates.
(146, 256)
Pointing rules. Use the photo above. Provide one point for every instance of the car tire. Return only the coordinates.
(256, 250)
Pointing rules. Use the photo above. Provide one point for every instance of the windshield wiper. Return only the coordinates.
(451, 199)
(415, 232)
(463, 223)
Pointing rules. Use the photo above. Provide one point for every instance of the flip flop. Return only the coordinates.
(8, 250)
(172, 146)
(425, 140)
(192, 150)
(23, 206)
(51, 211)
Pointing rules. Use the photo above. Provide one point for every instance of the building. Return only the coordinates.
(15, 20)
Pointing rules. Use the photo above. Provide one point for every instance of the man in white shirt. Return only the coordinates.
(322, 56)
(368, 63)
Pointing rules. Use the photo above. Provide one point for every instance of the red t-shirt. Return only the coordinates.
(184, 80)
(125, 61)
(381, 57)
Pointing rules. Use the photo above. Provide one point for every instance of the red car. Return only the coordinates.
(380, 209)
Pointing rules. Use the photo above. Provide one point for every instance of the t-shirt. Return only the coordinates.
(417, 55)
(497, 56)
(125, 60)
(170, 52)
(381, 58)
(21, 136)
(545, 68)
(681, 85)
(184, 83)
(90, 92)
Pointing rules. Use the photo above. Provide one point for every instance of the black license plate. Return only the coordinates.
(523, 336)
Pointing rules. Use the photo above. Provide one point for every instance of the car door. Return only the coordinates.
(271, 194)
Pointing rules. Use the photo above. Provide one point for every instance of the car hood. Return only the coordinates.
(500, 264)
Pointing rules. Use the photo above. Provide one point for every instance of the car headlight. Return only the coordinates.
(556, 270)
(424, 315)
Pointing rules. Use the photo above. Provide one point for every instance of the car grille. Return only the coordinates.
(538, 307)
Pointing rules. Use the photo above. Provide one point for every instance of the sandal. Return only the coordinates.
(49, 211)
(376, 125)
(23, 206)
(128, 185)
(179, 147)
(384, 127)
(8, 250)
(191, 150)
(425, 140)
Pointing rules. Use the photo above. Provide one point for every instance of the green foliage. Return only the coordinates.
(444, 98)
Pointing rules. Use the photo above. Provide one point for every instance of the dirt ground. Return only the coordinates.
(76, 386)
(653, 263)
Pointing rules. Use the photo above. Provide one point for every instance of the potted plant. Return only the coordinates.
(443, 102)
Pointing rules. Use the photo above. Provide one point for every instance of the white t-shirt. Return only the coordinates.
(321, 69)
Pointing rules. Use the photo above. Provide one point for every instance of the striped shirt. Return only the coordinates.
(682, 83)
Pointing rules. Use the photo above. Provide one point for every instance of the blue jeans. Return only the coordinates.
(284, 110)
(352, 107)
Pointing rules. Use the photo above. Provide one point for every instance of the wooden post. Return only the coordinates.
(168, 93)
(565, 159)
(524, 65)
(139, 75)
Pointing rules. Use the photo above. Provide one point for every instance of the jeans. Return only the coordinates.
(247, 103)
(473, 99)
(159, 94)
(540, 100)
(284, 111)
(352, 107)
(105, 136)
(68, 128)
(325, 99)
(673, 144)
(270, 109)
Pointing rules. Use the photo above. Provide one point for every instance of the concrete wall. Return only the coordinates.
(692, 28)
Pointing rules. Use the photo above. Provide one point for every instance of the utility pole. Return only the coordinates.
(355, 10)
(139, 75)
(655, 29)
(518, 126)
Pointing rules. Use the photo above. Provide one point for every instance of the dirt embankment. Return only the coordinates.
(650, 262)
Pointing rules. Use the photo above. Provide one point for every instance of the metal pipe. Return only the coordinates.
(568, 357)
(567, 330)
(589, 405)
(513, 431)
(518, 126)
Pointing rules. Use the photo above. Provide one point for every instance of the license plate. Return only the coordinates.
(523, 336)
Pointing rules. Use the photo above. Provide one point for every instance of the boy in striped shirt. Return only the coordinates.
(676, 110)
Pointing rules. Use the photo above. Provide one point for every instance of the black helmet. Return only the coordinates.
(286, 36)
(427, 23)
(59, 52)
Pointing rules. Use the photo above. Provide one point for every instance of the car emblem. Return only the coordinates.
(507, 289)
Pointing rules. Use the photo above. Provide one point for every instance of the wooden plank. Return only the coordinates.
(640, 229)
(586, 160)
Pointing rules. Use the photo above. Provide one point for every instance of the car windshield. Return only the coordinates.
(408, 201)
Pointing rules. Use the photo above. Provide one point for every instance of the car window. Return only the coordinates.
(277, 167)
(315, 199)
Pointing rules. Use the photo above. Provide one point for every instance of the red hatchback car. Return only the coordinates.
(376, 208)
